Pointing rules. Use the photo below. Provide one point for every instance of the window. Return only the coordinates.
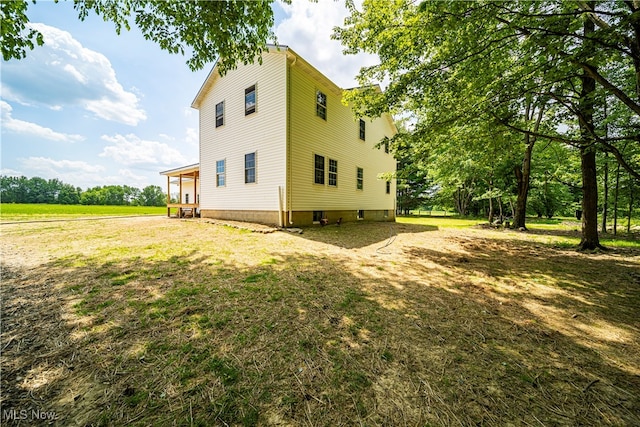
(386, 213)
(220, 173)
(361, 214)
(333, 172)
(318, 176)
(388, 187)
(360, 179)
(317, 216)
(362, 126)
(250, 168)
(250, 100)
(386, 145)
(321, 105)
(220, 114)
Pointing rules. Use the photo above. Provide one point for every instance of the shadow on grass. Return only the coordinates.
(361, 234)
(308, 340)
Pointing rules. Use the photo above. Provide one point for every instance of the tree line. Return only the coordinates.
(532, 103)
(53, 191)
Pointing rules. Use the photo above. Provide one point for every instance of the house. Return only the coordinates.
(278, 146)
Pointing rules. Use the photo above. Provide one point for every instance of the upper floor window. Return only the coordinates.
(362, 127)
(321, 105)
(250, 168)
(360, 179)
(318, 176)
(333, 172)
(386, 145)
(388, 187)
(250, 100)
(220, 173)
(219, 114)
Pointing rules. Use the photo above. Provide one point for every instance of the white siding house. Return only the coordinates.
(277, 146)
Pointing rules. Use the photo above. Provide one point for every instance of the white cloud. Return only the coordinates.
(77, 173)
(75, 73)
(28, 128)
(192, 136)
(126, 175)
(130, 149)
(307, 30)
(10, 172)
(50, 167)
(65, 73)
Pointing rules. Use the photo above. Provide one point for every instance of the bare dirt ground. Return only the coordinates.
(156, 321)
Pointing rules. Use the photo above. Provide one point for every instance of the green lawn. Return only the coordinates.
(559, 232)
(35, 212)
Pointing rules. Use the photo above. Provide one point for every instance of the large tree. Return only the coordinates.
(451, 62)
(236, 31)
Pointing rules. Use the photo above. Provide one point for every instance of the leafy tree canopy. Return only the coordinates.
(235, 31)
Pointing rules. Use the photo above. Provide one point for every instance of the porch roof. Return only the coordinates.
(183, 170)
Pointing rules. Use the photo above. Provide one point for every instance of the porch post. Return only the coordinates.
(180, 201)
(168, 195)
(195, 192)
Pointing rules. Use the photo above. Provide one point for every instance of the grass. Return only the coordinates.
(35, 212)
(428, 321)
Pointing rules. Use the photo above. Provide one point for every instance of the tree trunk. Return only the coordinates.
(490, 210)
(630, 203)
(605, 201)
(615, 202)
(590, 238)
(523, 176)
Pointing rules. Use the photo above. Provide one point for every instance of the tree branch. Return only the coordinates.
(593, 73)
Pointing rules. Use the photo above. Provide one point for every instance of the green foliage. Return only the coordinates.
(16, 39)
(484, 81)
(237, 31)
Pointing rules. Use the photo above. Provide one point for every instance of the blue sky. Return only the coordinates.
(94, 108)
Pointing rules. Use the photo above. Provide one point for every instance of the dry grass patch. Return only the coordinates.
(166, 322)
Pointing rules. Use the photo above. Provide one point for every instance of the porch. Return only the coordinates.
(187, 179)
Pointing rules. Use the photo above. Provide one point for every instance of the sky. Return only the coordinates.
(94, 108)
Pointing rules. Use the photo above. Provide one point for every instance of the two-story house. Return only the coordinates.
(278, 146)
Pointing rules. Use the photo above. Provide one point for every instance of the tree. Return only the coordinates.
(449, 62)
(236, 31)
(152, 195)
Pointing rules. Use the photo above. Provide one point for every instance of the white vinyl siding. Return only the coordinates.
(262, 132)
(336, 139)
(288, 111)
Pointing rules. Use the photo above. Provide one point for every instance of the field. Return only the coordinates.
(428, 321)
(37, 212)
